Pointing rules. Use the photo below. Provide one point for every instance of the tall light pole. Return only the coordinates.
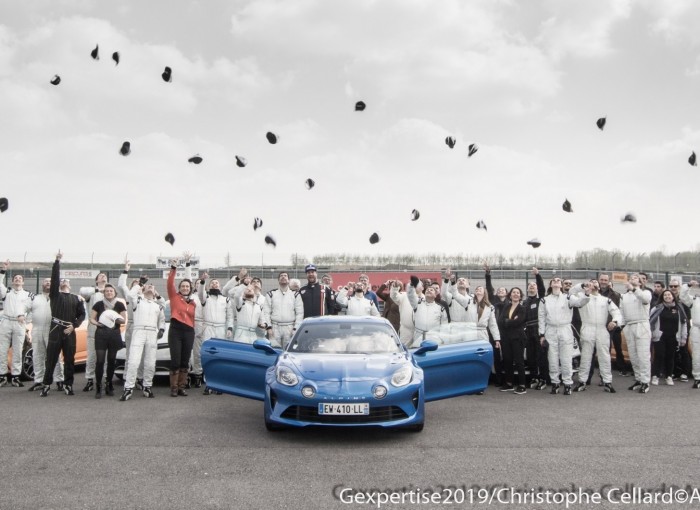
(613, 260)
(675, 261)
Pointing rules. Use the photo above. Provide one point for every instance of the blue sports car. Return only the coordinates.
(349, 371)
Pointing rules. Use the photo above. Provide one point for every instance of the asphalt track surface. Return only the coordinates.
(201, 452)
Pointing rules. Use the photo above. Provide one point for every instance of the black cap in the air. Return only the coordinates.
(374, 238)
(126, 149)
(535, 243)
(450, 141)
(115, 57)
(4, 204)
(692, 160)
(271, 137)
(257, 223)
(167, 74)
(310, 183)
(270, 240)
(472, 149)
(241, 161)
(55, 80)
(196, 159)
(601, 123)
(169, 238)
(360, 106)
(481, 225)
(629, 218)
(567, 206)
(415, 214)
(95, 54)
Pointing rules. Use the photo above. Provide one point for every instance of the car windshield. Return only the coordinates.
(345, 338)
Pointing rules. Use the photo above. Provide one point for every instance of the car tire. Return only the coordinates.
(27, 362)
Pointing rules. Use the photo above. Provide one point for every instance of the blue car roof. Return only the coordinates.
(345, 318)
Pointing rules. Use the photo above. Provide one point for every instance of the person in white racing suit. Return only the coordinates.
(554, 323)
(92, 295)
(595, 332)
(216, 314)
(693, 303)
(399, 297)
(284, 311)
(149, 326)
(16, 314)
(357, 304)
(428, 314)
(455, 292)
(248, 315)
(634, 306)
(41, 325)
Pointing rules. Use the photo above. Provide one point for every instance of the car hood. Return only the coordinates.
(347, 367)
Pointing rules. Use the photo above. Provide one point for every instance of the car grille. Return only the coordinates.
(376, 414)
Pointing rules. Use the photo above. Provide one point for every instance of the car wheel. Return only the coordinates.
(28, 363)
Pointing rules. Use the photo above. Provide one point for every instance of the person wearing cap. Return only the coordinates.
(148, 326)
(67, 313)
(358, 304)
(284, 311)
(108, 338)
(692, 302)
(247, 318)
(41, 325)
(634, 306)
(16, 314)
(181, 332)
(317, 298)
(428, 314)
(554, 323)
(595, 334)
(92, 295)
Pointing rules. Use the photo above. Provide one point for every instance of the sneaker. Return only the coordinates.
(139, 384)
(59, 386)
(669, 381)
(109, 389)
(188, 384)
(68, 390)
(45, 391)
(580, 387)
(696, 384)
(635, 386)
(89, 386)
(36, 386)
(207, 391)
(534, 383)
(16, 382)
(624, 373)
(181, 392)
(520, 390)
(567, 389)
(655, 381)
(608, 387)
(3, 381)
(197, 383)
(148, 393)
(684, 378)
(644, 388)
(126, 395)
(506, 387)
(541, 384)
(98, 392)
(555, 389)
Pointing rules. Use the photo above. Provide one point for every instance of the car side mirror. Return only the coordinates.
(264, 345)
(426, 346)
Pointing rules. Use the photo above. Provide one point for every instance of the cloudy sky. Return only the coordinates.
(526, 81)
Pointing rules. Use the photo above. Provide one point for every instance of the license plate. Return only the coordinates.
(344, 409)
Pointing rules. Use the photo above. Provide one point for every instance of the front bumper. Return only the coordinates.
(285, 405)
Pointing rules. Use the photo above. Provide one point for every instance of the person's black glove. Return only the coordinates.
(142, 280)
(414, 281)
(161, 332)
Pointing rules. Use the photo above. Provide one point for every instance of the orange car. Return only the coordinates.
(28, 351)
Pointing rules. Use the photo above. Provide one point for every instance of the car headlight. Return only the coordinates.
(286, 376)
(402, 376)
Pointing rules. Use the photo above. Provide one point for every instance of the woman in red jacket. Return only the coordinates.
(181, 332)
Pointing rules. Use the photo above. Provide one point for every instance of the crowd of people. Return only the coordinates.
(534, 334)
